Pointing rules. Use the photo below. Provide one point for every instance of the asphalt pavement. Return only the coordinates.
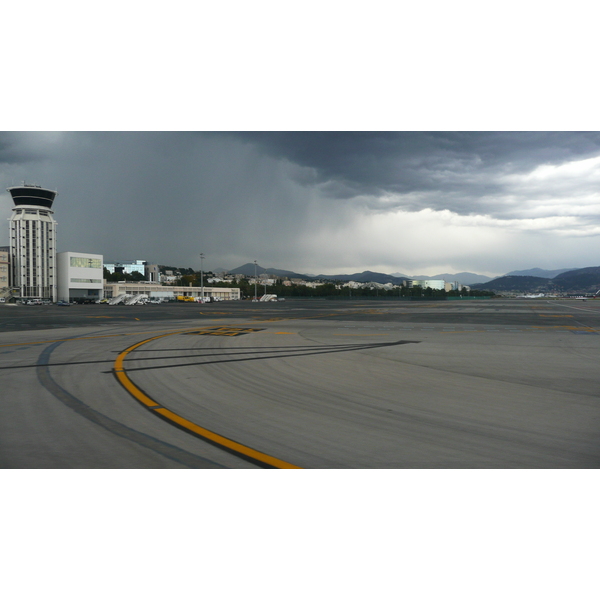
(316, 383)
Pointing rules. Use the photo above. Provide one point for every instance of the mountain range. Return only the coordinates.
(539, 272)
(463, 277)
(527, 281)
(250, 268)
(586, 280)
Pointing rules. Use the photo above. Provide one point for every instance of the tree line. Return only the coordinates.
(334, 290)
(327, 289)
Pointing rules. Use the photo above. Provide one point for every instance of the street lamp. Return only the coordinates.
(255, 282)
(201, 276)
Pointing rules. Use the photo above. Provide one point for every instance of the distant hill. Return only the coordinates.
(587, 279)
(248, 270)
(584, 280)
(365, 277)
(536, 272)
(463, 277)
(516, 283)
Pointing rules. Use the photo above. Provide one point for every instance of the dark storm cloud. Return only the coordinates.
(372, 158)
(125, 194)
(319, 202)
(13, 151)
(461, 166)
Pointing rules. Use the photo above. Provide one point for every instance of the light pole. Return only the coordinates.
(255, 282)
(202, 276)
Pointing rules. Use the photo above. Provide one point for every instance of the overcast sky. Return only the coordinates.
(416, 203)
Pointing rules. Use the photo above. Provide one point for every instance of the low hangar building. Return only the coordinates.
(168, 292)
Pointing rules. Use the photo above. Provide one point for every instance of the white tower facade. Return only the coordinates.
(33, 242)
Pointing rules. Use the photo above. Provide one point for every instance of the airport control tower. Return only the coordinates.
(33, 242)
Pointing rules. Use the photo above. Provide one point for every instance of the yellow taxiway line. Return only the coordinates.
(218, 440)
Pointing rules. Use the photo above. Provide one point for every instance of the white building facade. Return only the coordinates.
(33, 242)
(80, 277)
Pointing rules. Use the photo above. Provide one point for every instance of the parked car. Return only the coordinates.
(62, 303)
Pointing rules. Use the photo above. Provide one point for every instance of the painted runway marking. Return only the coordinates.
(224, 331)
(231, 446)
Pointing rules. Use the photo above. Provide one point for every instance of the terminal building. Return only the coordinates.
(168, 292)
(33, 242)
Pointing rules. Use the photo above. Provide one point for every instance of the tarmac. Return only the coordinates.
(318, 384)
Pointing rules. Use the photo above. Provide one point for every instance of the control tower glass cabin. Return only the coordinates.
(33, 242)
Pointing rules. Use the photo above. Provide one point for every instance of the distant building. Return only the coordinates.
(456, 286)
(129, 267)
(434, 284)
(80, 277)
(266, 280)
(4, 271)
(152, 273)
(33, 242)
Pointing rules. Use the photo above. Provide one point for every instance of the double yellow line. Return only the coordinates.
(254, 456)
